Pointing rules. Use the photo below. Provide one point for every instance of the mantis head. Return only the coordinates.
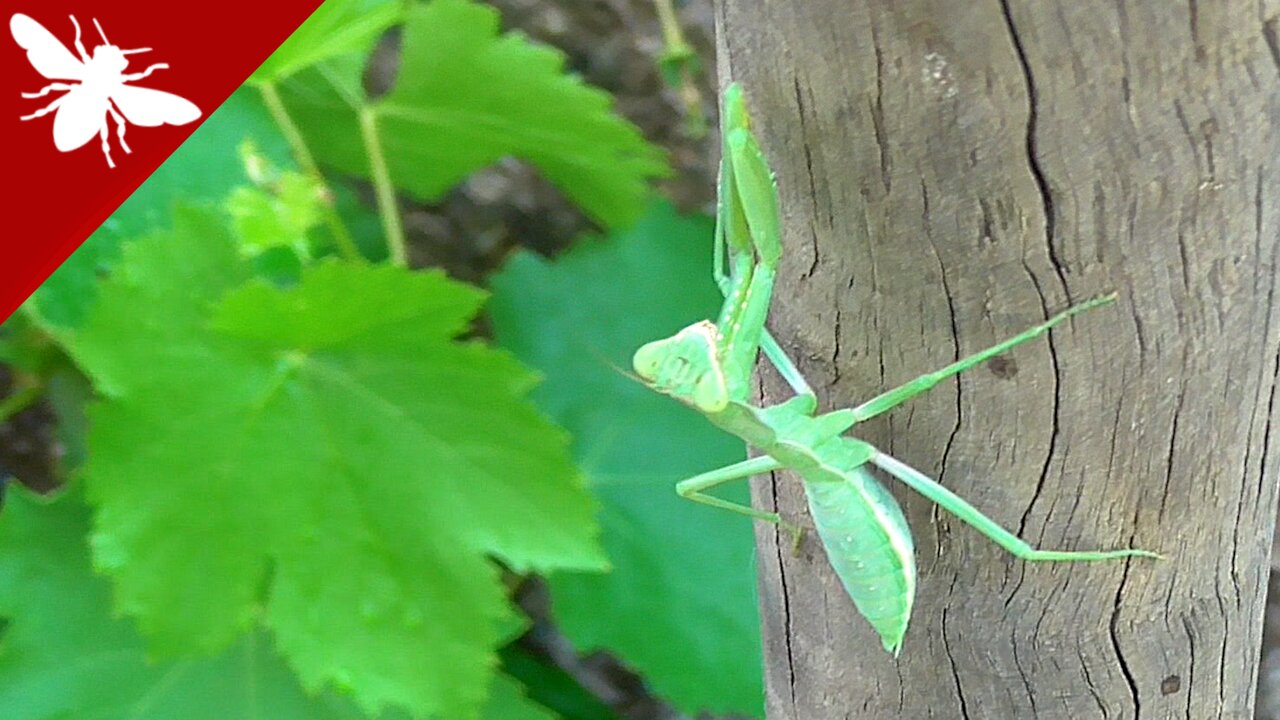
(685, 366)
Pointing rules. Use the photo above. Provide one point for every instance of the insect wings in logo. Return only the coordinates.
(97, 89)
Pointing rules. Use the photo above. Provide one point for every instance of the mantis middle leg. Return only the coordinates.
(957, 506)
(890, 399)
(695, 489)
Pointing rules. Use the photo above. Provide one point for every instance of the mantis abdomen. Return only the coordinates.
(869, 545)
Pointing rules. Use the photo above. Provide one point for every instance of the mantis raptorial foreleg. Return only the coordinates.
(772, 350)
(891, 399)
(957, 506)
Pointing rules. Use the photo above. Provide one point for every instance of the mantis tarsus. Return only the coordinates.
(708, 367)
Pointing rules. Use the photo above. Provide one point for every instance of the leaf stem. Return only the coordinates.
(682, 55)
(302, 154)
(385, 191)
(672, 35)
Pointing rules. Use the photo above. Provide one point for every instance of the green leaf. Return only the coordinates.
(63, 655)
(507, 701)
(326, 458)
(680, 603)
(467, 97)
(202, 169)
(279, 210)
(23, 347)
(336, 28)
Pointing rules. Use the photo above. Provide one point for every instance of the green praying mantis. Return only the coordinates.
(708, 366)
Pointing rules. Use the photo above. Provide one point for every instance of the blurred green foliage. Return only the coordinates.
(680, 603)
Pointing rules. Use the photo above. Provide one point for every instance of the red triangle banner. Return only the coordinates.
(82, 126)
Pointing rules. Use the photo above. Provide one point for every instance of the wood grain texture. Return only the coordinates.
(950, 173)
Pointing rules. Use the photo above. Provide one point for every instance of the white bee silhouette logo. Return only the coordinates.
(100, 88)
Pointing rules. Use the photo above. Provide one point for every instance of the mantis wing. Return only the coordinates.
(45, 52)
(150, 108)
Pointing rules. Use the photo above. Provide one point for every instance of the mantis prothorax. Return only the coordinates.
(708, 366)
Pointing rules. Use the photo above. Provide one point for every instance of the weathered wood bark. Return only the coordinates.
(950, 173)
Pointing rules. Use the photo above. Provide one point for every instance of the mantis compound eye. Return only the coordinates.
(648, 360)
(709, 392)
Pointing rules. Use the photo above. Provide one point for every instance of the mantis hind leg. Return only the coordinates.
(695, 489)
(957, 506)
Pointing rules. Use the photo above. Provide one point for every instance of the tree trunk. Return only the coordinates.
(951, 173)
